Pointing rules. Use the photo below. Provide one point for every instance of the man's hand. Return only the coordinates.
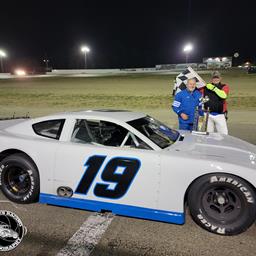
(184, 116)
(210, 86)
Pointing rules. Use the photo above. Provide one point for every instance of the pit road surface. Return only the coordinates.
(50, 228)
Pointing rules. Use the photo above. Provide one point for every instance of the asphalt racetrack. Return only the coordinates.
(62, 231)
(50, 228)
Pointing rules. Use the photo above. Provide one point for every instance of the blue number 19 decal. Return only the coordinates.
(123, 180)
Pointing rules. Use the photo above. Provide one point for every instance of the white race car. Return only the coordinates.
(130, 164)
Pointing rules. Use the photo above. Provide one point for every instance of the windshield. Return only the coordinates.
(156, 131)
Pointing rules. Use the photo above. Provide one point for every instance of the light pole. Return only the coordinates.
(46, 61)
(85, 50)
(2, 55)
(187, 49)
(236, 56)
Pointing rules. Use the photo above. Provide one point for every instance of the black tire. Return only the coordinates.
(222, 203)
(19, 179)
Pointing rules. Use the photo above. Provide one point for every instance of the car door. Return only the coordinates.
(112, 174)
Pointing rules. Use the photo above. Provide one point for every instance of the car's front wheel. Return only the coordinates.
(19, 179)
(222, 203)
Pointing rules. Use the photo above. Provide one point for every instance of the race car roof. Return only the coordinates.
(122, 115)
(24, 126)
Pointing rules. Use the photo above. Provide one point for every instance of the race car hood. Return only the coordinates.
(218, 147)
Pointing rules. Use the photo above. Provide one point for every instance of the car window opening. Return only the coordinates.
(157, 132)
(105, 133)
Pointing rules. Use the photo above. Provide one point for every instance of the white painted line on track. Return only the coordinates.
(87, 236)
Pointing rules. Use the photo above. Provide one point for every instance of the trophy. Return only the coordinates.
(201, 121)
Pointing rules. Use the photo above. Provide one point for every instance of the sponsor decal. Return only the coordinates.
(12, 230)
(210, 226)
(234, 182)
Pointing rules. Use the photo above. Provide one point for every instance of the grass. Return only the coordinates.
(146, 92)
(143, 92)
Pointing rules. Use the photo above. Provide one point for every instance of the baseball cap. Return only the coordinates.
(216, 74)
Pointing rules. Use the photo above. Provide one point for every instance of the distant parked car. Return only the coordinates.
(251, 70)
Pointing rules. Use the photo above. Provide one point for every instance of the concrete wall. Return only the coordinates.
(101, 71)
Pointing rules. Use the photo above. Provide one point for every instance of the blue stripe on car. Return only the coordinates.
(120, 209)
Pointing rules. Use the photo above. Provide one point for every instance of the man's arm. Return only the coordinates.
(177, 107)
(177, 104)
(223, 94)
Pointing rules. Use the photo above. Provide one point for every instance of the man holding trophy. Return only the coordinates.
(185, 103)
(200, 107)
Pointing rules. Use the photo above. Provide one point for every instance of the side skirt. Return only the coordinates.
(119, 209)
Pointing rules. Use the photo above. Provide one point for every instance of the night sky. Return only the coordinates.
(125, 33)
